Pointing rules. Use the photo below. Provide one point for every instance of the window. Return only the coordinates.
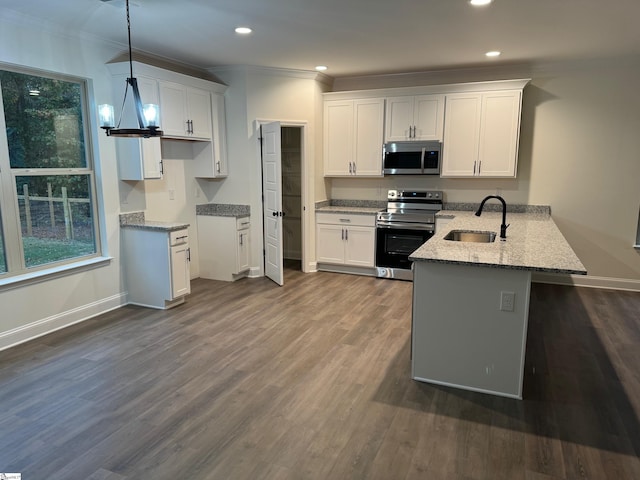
(47, 201)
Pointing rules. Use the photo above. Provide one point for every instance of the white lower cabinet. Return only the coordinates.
(157, 266)
(345, 239)
(224, 246)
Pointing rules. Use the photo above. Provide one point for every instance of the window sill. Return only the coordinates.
(51, 273)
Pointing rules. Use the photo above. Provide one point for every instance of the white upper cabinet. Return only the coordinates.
(353, 137)
(478, 124)
(138, 158)
(211, 157)
(481, 134)
(414, 117)
(185, 111)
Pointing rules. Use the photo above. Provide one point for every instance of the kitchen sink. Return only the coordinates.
(470, 236)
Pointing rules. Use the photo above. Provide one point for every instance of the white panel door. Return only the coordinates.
(272, 191)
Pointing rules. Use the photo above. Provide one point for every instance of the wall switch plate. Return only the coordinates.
(172, 194)
(507, 301)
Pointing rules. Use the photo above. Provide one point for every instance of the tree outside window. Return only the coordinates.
(47, 181)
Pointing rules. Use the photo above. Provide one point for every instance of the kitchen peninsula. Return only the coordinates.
(471, 300)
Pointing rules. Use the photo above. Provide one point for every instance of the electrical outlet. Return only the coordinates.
(172, 194)
(507, 301)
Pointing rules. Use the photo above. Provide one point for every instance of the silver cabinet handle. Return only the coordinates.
(241, 235)
(218, 167)
(354, 168)
(342, 236)
(345, 220)
(479, 167)
(350, 170)
(346, 234)
(474, 167)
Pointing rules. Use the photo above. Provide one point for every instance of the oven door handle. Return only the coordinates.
(405, 226)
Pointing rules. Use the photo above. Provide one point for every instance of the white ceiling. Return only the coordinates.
(352, 37)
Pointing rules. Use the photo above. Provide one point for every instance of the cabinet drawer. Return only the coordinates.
(365, 220)
(178, 236)
(243, 223)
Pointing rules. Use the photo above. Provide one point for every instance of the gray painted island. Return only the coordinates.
(471, 300)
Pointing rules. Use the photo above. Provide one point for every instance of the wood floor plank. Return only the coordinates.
(249, 380)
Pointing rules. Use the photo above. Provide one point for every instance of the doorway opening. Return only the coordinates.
(292, 204)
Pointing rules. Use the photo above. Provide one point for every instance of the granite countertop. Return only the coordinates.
(349, 209)
(357, 207)
(223, 210)
(137, 220)
(533, 243)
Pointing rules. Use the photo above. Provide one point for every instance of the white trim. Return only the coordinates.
(43, 275)
(255, 272)
(36, 329)
(274, 71)
(587, 281)
(472, 389)
(442, 89)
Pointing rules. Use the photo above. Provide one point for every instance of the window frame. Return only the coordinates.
(10, 223)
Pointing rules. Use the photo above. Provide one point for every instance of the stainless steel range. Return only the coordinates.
(408, 222)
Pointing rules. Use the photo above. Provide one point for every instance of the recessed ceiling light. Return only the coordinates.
(479, 3)
(321, 68)
(493, 53)
(243, 30)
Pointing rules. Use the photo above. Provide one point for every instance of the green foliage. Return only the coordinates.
(43, 130)
(41, 251)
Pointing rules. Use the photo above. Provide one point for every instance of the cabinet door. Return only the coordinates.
(499, 132)
(360, 246)
(368, 127)
(399, 119)
(330, 244)
(242, 250)
(461, 135)
(180, 271)
(199, 113)
(139, 158)
(338, 137)
(173, 109)
(428, 117)
(219, 128)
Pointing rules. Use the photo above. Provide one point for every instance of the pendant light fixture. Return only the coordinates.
(148, 115)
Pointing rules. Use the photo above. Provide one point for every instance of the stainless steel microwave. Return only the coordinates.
(412, 158)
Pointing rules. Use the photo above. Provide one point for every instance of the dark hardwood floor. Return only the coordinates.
(249, 380)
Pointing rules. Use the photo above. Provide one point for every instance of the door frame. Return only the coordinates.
(306, 184)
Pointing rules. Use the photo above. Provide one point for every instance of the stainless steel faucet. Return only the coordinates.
(503, 227)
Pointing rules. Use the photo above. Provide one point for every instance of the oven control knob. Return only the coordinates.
(429, 194)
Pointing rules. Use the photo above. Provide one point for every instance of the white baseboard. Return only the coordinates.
(61, 320)
(255, 272)
(588, 281)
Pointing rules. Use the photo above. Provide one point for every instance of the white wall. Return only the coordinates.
(579, 153)
(34, 309)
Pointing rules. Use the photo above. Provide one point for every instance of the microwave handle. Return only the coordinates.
(422, 160)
